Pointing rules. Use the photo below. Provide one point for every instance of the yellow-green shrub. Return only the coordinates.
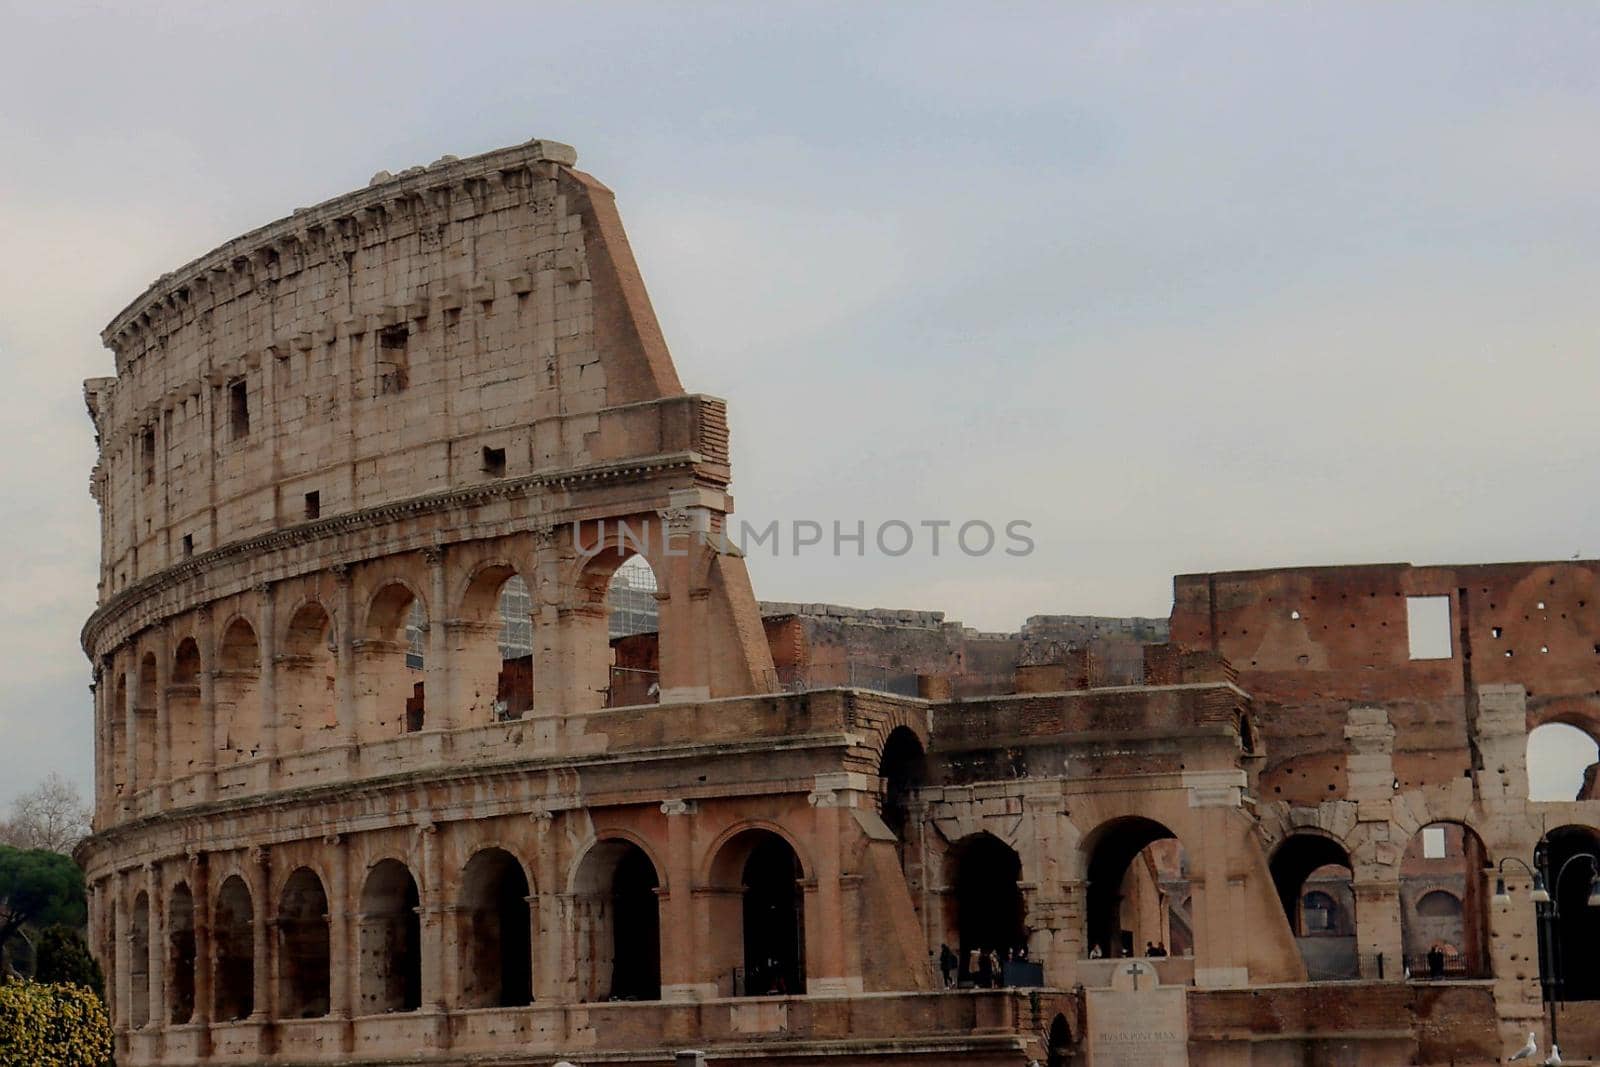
(52, 1026)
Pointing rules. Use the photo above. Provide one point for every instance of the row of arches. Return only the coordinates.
(613, 911)
(489, 645)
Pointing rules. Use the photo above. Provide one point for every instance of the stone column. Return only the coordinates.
(549, 930)
(259, 872)
(438, 685)
(345, 634)
(122, 994)
(679, 977)
(200, 888)
(342, 953)
(433, 914)
(157, 945)
(205, 766)
(432, 907)
(163, 739)
(1378, 927)
(826, 973)
(97, 696)
(267, 627)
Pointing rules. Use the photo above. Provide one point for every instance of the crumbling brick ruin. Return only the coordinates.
(378, 782)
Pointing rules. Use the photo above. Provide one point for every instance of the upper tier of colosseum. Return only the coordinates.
(473, 323)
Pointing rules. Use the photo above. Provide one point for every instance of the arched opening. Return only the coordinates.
(184, 728)
(1444, 918)
(304, 947)
(985, 917)
(758, 884)
(391, 940)
(1569, 928)
(233, 981)
(901, 771)
(180, 955)
(1138, 891)
(1561, 759)
(308, 705)
(619, 660)
(492, 650)
(145, 721)
(139, 962)
(119, 734)
(390, 698)
(1058, 1052)
(238, 695)
(1324, 929)
(617, 911)
(496, 932)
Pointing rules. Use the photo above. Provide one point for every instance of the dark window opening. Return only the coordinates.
(416, 710)
(393, 369)
(394, 336)
(188, 545)
(494, 461)
(313, 504)
(147, 451)
(239, 409)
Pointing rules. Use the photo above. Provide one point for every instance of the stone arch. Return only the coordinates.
(305, 947)
(1568, 940)
(389, 686)
(495, 931)
(139, 985)
(145, 740)
(713, 863)
(1565, 747)
(308, 706)
(902, 770)
(757, 880)
(603, 681)
(1126, 902)
(1445, 857)
(1308, 861)
(1058, 1042)
(391, 939)
(233, 948)
(238, 693)
(617, 920)
(184, 713)
(181, 954)
(491, 644)
(984, 909)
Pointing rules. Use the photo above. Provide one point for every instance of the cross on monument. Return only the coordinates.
(1136, 970)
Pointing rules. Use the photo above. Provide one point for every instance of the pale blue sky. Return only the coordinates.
(1187, 288)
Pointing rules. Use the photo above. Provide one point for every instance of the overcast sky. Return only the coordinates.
(1185, 290)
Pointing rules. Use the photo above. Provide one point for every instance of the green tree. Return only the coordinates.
(62, 956)
(52, 1026)
(38, 888)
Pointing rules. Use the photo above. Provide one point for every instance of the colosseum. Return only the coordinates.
(437, 722)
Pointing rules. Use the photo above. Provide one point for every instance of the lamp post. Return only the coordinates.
(1547, 902)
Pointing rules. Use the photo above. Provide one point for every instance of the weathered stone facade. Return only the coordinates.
(337, 820)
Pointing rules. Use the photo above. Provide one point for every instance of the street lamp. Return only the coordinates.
(1540, 894)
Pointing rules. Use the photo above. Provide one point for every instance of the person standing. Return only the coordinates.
(947, 965)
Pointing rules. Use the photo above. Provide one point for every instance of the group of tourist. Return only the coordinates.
(984, 969)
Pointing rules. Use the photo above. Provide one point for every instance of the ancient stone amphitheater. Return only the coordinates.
(380, 781)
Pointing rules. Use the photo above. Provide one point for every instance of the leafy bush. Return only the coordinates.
(52, 1026)
(61, 955)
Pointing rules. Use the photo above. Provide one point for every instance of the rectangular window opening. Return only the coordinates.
(1433, 842)
(1428, 626)
(188, 545)
(494, 461)
(239, 409)
(313, 504)
(147, 453)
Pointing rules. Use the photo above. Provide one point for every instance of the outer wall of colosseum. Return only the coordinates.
(376, 782)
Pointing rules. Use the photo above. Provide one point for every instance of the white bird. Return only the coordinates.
(1554, 1059)
(1527, 1051)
